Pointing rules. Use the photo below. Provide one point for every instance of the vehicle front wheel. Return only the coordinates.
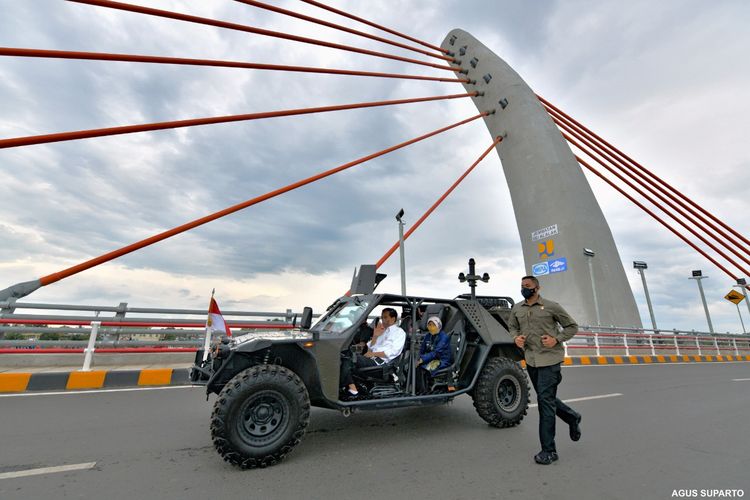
(501, 396)
(260, 416)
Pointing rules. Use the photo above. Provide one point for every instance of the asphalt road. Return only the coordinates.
(675, 427)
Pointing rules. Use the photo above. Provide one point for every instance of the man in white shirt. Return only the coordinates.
(386, 344)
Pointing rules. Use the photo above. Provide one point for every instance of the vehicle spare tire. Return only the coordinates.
(501, 396)
(260, 416)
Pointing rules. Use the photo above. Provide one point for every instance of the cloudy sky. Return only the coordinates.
(667, 82)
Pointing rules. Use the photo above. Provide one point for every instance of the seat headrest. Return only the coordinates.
(438, 310)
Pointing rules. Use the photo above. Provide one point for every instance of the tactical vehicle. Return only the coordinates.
(266, 386)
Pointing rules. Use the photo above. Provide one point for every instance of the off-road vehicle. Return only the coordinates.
(266, 387)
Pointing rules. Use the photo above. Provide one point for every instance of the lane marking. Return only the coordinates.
(586, 398)
(47, 470)
(97, 391)
(740, 379)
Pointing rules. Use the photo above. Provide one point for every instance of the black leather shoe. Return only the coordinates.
(575, 429)
(545, 457)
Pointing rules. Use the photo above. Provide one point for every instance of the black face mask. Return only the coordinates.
(528, 292)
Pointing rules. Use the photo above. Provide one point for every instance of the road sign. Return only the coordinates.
(734, 297)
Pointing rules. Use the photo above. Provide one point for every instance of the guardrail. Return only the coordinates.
(603, 343)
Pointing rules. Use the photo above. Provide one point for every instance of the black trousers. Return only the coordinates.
(348, 365)
(545, 380)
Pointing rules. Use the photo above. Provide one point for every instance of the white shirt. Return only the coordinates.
(391, 342)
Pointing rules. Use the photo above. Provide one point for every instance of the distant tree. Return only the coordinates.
(14, 336)
(79, 336)
(168, 337)
(49, 336)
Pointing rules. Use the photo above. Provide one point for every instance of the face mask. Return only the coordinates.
(528, 292)
(432, 328)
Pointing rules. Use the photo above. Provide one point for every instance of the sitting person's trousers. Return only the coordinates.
(349, 365)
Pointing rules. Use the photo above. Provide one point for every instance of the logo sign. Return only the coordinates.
(546, 249)
(558, 265)
(545, 232)
(735, 297)
(540, 269)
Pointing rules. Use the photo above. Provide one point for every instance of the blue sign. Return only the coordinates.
(540, 269)
(558, 265)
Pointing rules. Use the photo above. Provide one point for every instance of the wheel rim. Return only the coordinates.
(508, 393)
(263, 418)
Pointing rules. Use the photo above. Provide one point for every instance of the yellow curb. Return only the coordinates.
(686, 358)
(673, 359)
(719, 358)
(86, 380)
(633, 359)
(155, 377)
(709, 358)
(602, 360)
(585, 360)
(523, 363)
(661, 359)
(730, 358)
(697, 358)
(568, 361)
(747, 358)
(647, 359)
(618, 360)
(14, 382)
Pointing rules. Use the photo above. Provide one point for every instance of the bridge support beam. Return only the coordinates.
(556, 212)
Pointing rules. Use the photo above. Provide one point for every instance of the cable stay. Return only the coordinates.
(23, 289)
(102, 56)
(251, 29)
(345, 29)
(370, 23)
(129, 129)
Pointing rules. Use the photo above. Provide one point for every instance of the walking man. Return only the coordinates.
(534, 324)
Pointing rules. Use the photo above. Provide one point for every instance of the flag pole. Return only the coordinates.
(207, 342)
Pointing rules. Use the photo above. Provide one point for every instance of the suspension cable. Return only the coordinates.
(273, 8)
(251, 29)
(643, 169)
(129, 129)
(651, 200)
(102, 56)
(670, 200)
(656, 217)
(429, 211)
(51, 278)
(370, 23)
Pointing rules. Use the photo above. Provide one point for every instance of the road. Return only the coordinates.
(683, 426)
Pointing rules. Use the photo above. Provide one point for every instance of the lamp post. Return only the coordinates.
(641, 267)
(472, 278)
(698, 277)
(399, 216)
(589, 257)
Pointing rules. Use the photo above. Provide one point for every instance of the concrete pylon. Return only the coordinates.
(556, 211)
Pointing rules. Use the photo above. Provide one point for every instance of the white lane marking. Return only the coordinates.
(47, 470)
(587, 398)
(740, 379)
(97, 391)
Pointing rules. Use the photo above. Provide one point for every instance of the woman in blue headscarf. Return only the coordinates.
(434, 353)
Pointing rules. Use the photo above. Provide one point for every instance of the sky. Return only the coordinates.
(667, 82)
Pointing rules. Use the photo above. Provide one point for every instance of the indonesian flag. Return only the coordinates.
(215, 322)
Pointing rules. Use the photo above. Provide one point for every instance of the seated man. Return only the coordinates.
(387, 343)
(434, 354)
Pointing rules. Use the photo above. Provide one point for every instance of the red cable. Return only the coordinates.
(315, 20)
(652, 214)
(370, 23)
(654, 192)
(645, 170)
(46, 280)
(250, 29)
(129, 129)
(437, 203)
(651, 200)
(636, 175)
(101, 56)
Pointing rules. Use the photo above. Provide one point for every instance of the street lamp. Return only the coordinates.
(589, 257)
(472, 278)
(742, 284)
(698, 277)
(399, 217)
(642, 266)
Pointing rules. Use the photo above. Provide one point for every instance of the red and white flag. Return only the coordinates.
(215, 322)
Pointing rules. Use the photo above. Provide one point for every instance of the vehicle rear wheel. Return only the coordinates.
(260, 416)
(501, 396)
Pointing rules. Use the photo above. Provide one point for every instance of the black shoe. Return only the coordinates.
(545, 457)
(575, 429)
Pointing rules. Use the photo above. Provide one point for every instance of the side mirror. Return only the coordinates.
(306, 321)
